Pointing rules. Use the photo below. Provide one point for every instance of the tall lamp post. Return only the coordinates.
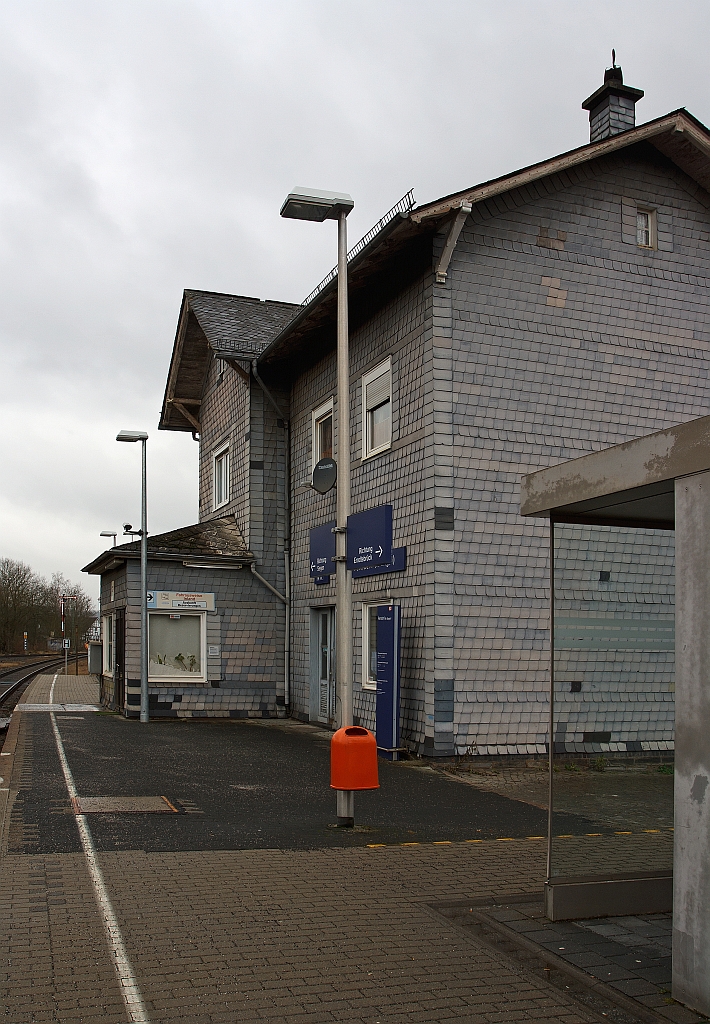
(109, 533)
(140, 435)
(307, 204)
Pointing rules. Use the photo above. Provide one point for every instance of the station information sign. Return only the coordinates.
(388, 680)
(398, 564)
(322, 552)
(179, 599)
(369, 538)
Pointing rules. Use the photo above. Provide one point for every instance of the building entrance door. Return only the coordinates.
(119, 664)
(325, 632)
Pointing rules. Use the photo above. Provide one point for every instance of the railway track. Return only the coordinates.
(11, 689)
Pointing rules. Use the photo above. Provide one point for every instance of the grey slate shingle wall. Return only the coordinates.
(397, 476)
(558, 351)
(225, 418)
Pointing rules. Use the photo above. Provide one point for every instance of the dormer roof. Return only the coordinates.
(213, 322)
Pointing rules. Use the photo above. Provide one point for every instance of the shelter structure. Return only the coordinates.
(662, 482)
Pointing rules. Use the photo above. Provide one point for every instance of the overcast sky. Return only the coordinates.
(147, 146)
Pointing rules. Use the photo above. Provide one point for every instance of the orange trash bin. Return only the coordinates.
(353, 759)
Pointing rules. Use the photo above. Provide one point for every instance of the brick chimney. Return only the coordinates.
(612, 108)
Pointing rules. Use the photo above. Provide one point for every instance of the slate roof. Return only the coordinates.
(214, 540)
(237, 322)
(210, 322)
(396, 252)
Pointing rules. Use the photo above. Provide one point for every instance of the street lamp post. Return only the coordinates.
(139, 435)
(307, 204)
(62, 599)
(109, 533)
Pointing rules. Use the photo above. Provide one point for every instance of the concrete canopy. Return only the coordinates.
(630, 484)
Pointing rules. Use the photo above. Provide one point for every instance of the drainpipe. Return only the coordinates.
(287, 540)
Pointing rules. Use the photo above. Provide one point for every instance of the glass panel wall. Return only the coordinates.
(613, 701)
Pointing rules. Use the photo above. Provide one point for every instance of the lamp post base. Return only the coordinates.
(345, 808)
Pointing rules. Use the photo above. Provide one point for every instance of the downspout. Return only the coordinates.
(287, 541)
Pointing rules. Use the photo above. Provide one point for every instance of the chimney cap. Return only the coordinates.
(613, 86)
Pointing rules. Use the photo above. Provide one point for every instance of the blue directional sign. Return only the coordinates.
(398, 564)
(369, 538)
(322, 551)
(388, 670)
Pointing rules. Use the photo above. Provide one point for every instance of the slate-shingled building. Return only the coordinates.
(555, 311)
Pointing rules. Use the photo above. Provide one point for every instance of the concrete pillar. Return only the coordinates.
(691, 857)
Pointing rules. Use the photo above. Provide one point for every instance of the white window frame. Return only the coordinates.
(652, 226)
(186, 678)
(366, 682)
(218, 454)
(379, 371)
(108, 638)
(321, 413)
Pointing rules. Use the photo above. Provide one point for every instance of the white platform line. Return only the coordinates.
(126, 979)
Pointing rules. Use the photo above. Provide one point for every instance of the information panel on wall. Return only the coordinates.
(388, 669)
(176, 599)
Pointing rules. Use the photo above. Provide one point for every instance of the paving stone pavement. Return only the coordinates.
(325, 934)
(311, 936)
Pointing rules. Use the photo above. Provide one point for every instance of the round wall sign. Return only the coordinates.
(325, 474)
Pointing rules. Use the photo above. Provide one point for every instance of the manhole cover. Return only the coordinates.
(123, 805)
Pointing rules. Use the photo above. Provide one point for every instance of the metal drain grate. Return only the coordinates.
(123, 805)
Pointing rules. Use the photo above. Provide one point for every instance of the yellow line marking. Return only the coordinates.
(170, 805)
(512, 839)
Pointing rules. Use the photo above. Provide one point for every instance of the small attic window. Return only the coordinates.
(645, 228)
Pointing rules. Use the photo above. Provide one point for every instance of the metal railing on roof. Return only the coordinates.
(404, 205)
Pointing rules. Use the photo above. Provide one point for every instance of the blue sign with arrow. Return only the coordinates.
(322, 551)
(369, 538)
(398, 564)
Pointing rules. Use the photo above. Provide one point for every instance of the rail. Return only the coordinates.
(404, 205)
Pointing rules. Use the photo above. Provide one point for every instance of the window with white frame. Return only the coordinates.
(108, 644)
(377, 409)
(645, 228)
(176, 647)
(369, 646)
(221, 477)
(322, 432)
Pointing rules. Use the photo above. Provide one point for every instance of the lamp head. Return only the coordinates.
(315, 204)
(131, 435)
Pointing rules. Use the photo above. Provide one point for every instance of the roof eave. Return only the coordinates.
(679, 120)
(167, 420)
(329, 292)
(116, 557)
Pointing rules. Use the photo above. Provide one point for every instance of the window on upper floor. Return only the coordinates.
(377, 410)
(322, 432)
(221, 477)
(645, 228)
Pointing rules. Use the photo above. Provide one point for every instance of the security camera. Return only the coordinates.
(127, 527)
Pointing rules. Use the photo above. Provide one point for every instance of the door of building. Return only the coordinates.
(325, 623)
(119, 663)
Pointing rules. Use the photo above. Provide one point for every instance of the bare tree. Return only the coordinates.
(28, 603)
